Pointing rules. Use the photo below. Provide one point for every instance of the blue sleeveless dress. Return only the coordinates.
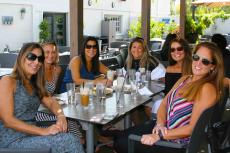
(25, 109)
(84, 73)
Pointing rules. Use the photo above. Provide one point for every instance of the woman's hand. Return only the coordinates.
(51, 130)
(158, 128)
(61, 123)
(149, 139)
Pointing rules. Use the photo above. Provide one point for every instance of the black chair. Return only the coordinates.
(111, 63)
(60, 78)
(198, 136)
(124, 54)
(7, 60)
(64, 59)
(18, 150)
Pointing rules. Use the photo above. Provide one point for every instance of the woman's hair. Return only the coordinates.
(38, 79)
(187, 61)
(216, 76)
(55, 48)
(166, 46)
(146, 58)
(220, 41)
(95, 59)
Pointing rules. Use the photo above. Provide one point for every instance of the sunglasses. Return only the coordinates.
(204, 61)
(91, 46)
(178, 49)
(33, 57)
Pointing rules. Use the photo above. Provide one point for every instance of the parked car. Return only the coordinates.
(156, 44)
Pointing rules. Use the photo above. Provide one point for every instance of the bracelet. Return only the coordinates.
(59, 111)
(61, 115)
(161, 135)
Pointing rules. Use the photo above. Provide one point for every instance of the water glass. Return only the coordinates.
(110, 75)
(70, 87)
(90, 86)
(119, 95)
(134, 90)
(131, 74)
(100, 92)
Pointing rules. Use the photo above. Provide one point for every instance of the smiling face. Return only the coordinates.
(137, 50)
(177, 52)
(90, 49)
(199, 67)
(50, 54)
(31, 65)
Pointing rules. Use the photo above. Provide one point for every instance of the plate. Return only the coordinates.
(107, 91)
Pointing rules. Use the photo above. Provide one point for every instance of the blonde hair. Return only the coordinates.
(38, 79)
(146, 58)
(216, 76)
(56, 50)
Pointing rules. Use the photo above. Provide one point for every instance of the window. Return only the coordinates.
(57, 27)
(116, 19)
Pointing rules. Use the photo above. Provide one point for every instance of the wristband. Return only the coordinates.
(59, 111)
(61, 116)
(160, 135)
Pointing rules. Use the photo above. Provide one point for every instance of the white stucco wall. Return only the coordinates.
(26, 29)
(219, 27)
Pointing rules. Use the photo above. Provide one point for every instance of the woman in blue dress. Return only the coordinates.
(20, 96)
(87, 67)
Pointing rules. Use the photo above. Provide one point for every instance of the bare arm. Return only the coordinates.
(56, 109)
(7, 88)
(205, 101)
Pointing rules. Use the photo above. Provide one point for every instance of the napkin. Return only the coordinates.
(158, 72)
(145, 91)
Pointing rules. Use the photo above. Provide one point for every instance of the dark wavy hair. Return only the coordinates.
(95, 60)
(187, 61)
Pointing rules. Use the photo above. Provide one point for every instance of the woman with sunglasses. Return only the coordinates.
(87, 67)
(20, 96)
(180, 58)
(184, 103)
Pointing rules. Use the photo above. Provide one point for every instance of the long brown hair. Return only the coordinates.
(146, 58)
(38, 79)
(216, 76)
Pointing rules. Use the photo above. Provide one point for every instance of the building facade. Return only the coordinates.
(20, 19)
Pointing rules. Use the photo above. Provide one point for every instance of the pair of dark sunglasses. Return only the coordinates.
(204, 61)
(178, 49)
(33, 57)
(91, 46)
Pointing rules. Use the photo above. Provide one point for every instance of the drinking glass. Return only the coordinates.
(70, 87)
(84, 97)
(90, 86)
(100, 92)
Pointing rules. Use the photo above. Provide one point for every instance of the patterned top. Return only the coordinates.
(51, 85)
(25, 109)
(179, 112)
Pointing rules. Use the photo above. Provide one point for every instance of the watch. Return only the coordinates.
(59, 111)
(160, 135)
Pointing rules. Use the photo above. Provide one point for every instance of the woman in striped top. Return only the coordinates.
(52, 72)
(183, 105)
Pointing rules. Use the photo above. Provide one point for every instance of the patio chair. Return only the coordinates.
(19, 150)
(198, 137)
(7, 60)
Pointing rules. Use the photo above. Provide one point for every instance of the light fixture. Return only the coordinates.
(23, 12)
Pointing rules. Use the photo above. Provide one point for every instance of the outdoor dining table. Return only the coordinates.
(96, 112)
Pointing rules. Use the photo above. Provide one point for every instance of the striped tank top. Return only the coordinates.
(51, 85)
(179, 112)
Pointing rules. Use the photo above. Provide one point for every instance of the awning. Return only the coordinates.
(212, 3)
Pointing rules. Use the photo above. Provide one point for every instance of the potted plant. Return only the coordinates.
(44, 31)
